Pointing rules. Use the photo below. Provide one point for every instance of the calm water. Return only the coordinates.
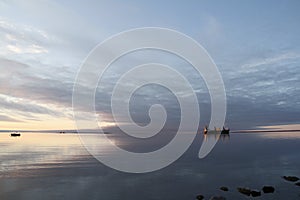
(56, 166)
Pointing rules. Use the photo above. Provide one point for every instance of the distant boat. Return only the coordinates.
(205, 130)
(225, 130)
(15, 134)
(208, 131)
(216, 130)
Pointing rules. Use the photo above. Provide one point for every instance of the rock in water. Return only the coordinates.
(255, 193)
(224, 188)
(291, 178)
(245, 191)
(217, 198)
(199, 197)
(298, 184)
(268, 189)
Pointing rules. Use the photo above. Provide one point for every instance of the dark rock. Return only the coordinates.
(245, 191)
(217, 198)
(255, 193)
(268, 189)
(224, 188)
(298, 184)
(199, 197)
(291, 178)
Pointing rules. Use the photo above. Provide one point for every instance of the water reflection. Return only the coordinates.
(34, 150)
(225, 137)
(210, 140)
(62, 169)
(213, 137)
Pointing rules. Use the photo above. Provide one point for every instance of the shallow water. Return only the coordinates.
(57, 166)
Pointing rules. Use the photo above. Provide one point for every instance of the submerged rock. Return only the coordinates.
(199, 197)
(224, 188)
(291, 178)
(245, 191)
(217, 198)
(268, 189)
(255, 193)
(298, 184)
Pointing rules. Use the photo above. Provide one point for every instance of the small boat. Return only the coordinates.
(15, 134)
(225, 130)
(208, 131)
(205, 130)
(216, 130)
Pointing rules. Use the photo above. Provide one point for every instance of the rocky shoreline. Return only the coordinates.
(266, 189)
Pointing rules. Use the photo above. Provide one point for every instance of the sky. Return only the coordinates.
(255, 45)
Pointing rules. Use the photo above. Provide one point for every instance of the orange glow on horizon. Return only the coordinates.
(49, 123)
(283, 127)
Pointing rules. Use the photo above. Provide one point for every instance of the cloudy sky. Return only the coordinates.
(255, 44)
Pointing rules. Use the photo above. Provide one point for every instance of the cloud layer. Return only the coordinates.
(41, 50)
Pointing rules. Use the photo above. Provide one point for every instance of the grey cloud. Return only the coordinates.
(26, 107)
(9, 67)
(19, 32)
(243, 113)
(250, 93)
(266, 82)
(17, 80)
(8, 119)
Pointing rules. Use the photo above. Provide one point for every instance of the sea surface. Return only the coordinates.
(57, 166)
